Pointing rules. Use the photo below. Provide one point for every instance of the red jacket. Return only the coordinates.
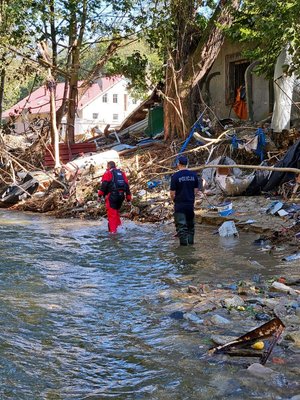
(107, 184)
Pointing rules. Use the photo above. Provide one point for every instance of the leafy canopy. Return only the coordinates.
(269, 26)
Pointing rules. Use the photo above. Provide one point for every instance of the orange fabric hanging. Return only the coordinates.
(240, 106)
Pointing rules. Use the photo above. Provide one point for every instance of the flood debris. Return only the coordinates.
(244, 345)
(227, 156)
(12, 194)
(292, 257)
(228, 228)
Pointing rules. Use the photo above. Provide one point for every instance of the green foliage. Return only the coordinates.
(151, 24)
(150, 30)
(60, 23)
(141, 65)
(13, 34)
(267, 26)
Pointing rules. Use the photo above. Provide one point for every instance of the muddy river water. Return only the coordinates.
(82, 316)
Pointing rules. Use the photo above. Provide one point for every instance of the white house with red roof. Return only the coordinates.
(106, 102)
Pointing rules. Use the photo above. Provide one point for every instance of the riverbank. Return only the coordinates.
(149, 179)
(250, 213)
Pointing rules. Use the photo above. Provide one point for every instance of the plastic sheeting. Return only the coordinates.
(291, 159)
(98, 161)
(283, 93)
(232, 185)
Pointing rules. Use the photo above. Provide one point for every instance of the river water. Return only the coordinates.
(82, 315)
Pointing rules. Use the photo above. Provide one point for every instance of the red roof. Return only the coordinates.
(38, 102)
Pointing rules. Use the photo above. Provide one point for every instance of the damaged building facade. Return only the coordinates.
(232, 72)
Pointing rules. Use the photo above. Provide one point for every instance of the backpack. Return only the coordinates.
(118, 189)
(118, 181)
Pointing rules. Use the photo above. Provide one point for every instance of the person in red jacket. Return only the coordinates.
(114, 188)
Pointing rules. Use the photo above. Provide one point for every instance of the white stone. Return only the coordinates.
(259, 370)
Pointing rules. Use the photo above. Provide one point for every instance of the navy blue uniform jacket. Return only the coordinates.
(184, 183)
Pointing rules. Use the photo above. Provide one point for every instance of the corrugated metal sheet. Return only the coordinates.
(138, 127)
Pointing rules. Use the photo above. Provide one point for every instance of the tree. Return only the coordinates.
(82, 24)
(12, 33)
(68, 28)
(186, 38)
(267, 26)
(193, 40)
(140, 64)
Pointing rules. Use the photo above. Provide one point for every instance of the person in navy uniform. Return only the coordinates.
(184, 187)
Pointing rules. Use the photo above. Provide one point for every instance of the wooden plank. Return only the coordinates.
(75, 146)
(67, 153)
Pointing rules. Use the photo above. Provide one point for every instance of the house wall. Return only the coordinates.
(86, 120)
(107, 112)
(218, 93)
(22, 123)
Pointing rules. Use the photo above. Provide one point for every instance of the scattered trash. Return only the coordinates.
(16, 192)
(238, 347)
(274, 207)
(256, 263)
(225, 209)
(153, 184)
(261, 242)
(281, 287)
(278, 360)
(258, 345)
(292, 257)
(228, 228)
(121, 147)
(282, 213)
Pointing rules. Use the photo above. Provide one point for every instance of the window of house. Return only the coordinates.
(115, 117)
(125, 102)
(95, 115)
(104, 98)
(115, 98)
(235, 75)
(134, 101)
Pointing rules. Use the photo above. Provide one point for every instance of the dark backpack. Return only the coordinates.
(118, 181)
(118, 189)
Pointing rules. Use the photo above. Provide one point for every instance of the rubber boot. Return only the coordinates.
(191, 230)
(181, 228)
(190, 239)
(183, 241)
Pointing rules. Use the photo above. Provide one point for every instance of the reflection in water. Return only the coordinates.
(82, 317)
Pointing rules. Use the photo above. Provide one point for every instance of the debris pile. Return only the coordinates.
(222, 152)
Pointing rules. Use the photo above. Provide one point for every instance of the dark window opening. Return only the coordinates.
(236, 78)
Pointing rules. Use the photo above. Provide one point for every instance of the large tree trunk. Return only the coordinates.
(72, 106)
(74, 47)
(186, 68)
(51, 84)
(2, 82)
(51, 87)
